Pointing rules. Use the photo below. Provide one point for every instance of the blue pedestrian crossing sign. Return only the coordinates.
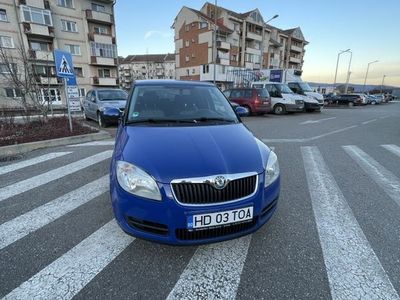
(63, 61)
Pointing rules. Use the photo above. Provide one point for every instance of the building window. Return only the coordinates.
(103, 50)
(7, 69)
(69, 26)
(13, 93)
(100, 29)
(3, 15)
(54, 97)
(82, 92)
(206, 69)
(43, 70)
(78, 71)
(66, 3)
(234, 57)
(39, 46)
(36, 15)
(104, 73)
(73, 49)
(187, 58)
(187, 43)
(193, 56)
(203, 25)
(98, 7)
(187, 27)
(193, 71)
(6, 41)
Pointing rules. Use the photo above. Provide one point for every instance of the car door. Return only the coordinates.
(237, 96)
(86, 104)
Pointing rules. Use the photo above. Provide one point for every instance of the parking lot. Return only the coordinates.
(335, 233)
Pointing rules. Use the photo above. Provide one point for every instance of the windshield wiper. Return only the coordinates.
(159, 121)
(205, 119)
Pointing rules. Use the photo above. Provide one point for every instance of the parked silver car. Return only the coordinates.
(97, 104)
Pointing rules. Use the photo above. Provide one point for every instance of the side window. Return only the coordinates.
(273, 91)
(293, 87)
(248, 94)
(88, 96)
(237, 93)
(93, 96)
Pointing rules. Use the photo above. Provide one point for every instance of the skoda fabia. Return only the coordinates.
(186, 170)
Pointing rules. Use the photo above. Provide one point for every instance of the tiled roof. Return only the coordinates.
(204, 16)
(148, 57)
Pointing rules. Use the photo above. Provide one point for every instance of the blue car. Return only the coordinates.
(186, 170)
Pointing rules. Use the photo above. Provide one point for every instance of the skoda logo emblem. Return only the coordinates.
(219, 182)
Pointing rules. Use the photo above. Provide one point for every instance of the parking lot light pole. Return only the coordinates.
(348, 73)
(383, 79)
(337, 65)
(366, 74)
(263, 39)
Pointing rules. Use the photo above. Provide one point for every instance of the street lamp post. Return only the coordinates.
(348, 73)
(337, 65)
(366, 74)
(263, 39)
(383, 79)
(215, 41)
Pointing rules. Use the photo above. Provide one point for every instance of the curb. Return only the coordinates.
(27, 147)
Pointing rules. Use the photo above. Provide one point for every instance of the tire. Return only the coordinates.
(373, 102)
(100, 121)
(249, 109)
(279, 109)
(350, 104)
(84, 115)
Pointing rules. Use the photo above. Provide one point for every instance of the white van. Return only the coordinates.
(314, 101)
(283, 99)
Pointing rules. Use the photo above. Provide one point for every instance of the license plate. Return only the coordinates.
(220, 218)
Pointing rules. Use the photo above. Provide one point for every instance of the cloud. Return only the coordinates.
(154, 33)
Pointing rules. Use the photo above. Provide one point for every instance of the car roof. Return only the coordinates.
(166, 82)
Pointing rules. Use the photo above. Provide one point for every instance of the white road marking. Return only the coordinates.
(316, 121)
(67, 275)
(33, 182)
(31, 221)
(213, 272)
(370, 121)
(392, 148)
(308, 139)
(30, 162)
(383, 177)
(354, 271)
(95, 143)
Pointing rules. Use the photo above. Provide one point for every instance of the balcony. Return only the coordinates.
(48, 80)
(249, 65)
(109, 81)
(99, 17)
(223, 45)
(254, 36)
(223, 61)
(104, 61)
(101, 38)
(253, 51)
(295, 60)
(38, 30)
(41, 55)
(296, 49)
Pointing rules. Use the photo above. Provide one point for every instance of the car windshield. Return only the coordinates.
(284, 89)
(110, 95)
(263, 93)
(305, 87)
(179, 104)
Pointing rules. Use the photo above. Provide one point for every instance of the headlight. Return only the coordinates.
(136, 181)
(272, 169)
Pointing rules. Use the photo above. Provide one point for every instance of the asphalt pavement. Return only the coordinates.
(336, 233)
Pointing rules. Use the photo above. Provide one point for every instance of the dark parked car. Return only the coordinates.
(186, 170)
(98, 103)
(257, 101)
(345, 99)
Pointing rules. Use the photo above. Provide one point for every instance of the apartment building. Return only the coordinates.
(244, 43)
(147, 66)
(85, 28)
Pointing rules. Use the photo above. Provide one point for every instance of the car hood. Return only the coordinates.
(308, 99)
(315, 95)
(116, 103)
(168, 153)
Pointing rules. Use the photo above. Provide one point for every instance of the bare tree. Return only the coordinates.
(19, 73)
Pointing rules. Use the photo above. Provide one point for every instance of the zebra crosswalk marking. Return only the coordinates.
(383, 177)
(392, 148)
(31, 162)
(67, 275)
(33, 182)
(31, 221)
(213, 272)
(95, 143)
(354, 271)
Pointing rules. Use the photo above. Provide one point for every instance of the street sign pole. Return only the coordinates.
(67, 98)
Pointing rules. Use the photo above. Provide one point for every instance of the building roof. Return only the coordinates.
(148, 57)
(204, 16)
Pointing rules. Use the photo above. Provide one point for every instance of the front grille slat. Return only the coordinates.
(205, 193)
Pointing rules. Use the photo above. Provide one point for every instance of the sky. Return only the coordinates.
(370, 28)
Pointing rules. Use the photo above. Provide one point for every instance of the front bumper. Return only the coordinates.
(294, 107)
(165, 221)
(310, 105)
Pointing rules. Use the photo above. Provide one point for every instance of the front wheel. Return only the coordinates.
(373, 102)
(100, 120)
(279, 109)
(351, 104)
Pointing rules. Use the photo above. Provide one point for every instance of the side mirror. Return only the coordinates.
(242, 111)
